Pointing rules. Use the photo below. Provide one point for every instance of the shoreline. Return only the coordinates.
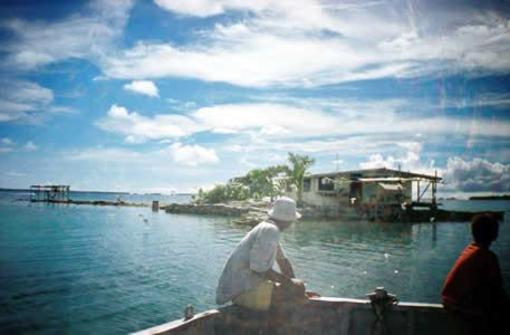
(251, 215)
(253, 212)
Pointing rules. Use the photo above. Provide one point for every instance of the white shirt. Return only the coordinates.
(257, 252)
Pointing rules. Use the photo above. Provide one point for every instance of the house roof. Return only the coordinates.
(375, 173)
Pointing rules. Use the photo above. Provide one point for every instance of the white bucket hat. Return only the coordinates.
(284, 209)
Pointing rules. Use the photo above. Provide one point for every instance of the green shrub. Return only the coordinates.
(223, 193)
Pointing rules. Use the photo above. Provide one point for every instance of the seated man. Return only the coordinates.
(248, 278)
(473, 290)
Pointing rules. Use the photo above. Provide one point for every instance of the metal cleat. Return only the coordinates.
(380, 299)
(188, 312)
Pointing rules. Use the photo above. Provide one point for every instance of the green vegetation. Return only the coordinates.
(265, 182)
(258, 183)
(223, 193)
(299, 165)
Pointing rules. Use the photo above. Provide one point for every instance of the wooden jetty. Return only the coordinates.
(93, 202)
(60, 194)
(49, 192)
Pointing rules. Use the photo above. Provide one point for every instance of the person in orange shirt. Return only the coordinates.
(473, 290)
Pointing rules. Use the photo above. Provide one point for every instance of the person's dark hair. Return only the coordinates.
(484, 228)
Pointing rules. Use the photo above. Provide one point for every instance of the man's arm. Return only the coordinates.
(286, 267)
(284, 263)
(498, 293)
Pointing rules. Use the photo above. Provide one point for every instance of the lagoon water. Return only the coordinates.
(109, 270)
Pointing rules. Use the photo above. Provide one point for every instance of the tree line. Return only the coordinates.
(258, 183)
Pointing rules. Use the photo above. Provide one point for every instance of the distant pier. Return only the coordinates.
(92, 202)
(59, 194)
(49, 192)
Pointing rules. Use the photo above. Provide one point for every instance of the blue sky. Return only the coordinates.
(154, 96)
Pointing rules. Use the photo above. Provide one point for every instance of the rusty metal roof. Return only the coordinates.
(375, 173)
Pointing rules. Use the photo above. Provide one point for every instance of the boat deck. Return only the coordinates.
(318, 316)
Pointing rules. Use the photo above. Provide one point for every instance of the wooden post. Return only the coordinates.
(434, 189)
(155, 205)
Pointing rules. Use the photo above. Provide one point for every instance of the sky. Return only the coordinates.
(168, 95)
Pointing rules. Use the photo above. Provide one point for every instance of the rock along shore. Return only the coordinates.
(247, 212)
(252, 212)
(243, 212)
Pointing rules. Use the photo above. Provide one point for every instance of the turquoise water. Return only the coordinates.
(109, 270)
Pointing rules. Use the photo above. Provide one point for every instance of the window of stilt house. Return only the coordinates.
(326, 184)
(307, 184)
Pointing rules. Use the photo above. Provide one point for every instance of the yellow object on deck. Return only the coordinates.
(258, 299)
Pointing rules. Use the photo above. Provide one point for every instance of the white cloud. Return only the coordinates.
(30, 146)
(181, 105)
(284, 120)
(205, 8)
(177, 157)
(6, 141)
(377, 161)
(29, 92)
(192, 155)
(138, 128)
(103, 155)
(380, 117)
(79, 36)
(314, 43)
(145, 87)
(477, 175)
(410, 160)
(7, 145)
(280, 42)
(22, 100)
(297, 62)
(294, 121)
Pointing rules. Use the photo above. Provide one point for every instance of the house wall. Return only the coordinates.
(373, 193)
(320, 198)
(339, 198)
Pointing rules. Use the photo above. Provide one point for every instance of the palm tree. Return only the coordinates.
(299, 165)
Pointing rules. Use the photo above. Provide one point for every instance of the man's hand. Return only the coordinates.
(276, 277)
(310, 294)
(286, 267)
